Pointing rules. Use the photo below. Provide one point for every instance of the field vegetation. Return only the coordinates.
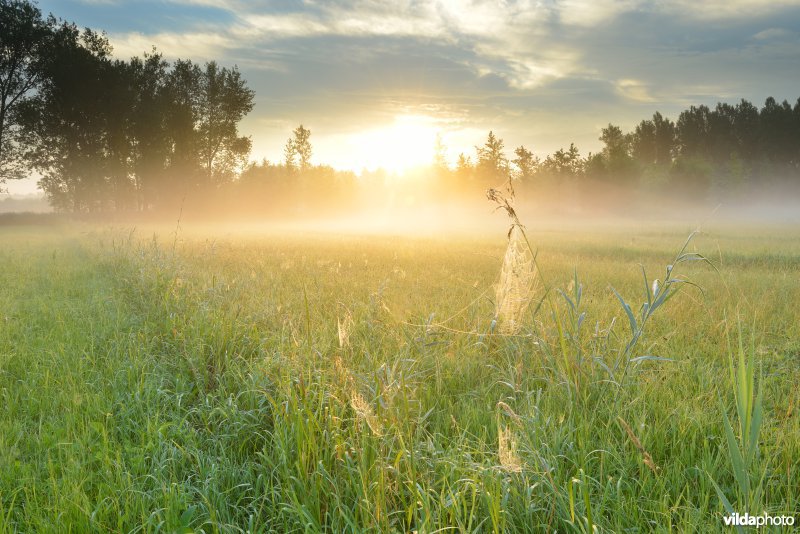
(186, 379)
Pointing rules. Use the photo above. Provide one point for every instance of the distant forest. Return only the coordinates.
(145, 135)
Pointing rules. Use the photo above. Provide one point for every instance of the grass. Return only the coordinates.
(203, 383)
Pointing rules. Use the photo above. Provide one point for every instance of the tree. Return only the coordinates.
(69, 118)
(691, 176)
(23, 38)
(776, 132)
(617, 162)
(464, 169)
(224, 99)
(181, 100)
(197, 135)
(150, 143)
(796, 137)
(439, 154)
(692, 131)
(691, 173)
(492, 162)
(643, 143)
(653, 141)
(616, 143)
(526, 164)
(664, 139)
(745, 130)
(302, 147)
(289, 154)
(563, 164)
(117, 108)
(721, 136)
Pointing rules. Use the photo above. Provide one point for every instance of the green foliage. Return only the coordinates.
(526, 164)
(108, 134)
(617, 164)
(24, 42)
(563, 166)
(74, 142)
(223, 101)
(692, 174)
(747, 467)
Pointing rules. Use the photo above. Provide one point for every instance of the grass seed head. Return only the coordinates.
(646, 458)
(509, 412)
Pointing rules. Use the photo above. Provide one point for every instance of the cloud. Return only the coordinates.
(198, 46)
(722, 10)
(590, 13)
(507, 41)
(773, 34)
(221, 4)
(526, 43)
(634, 90)
(282, 26)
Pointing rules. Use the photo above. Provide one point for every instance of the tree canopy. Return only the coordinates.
(24, 40)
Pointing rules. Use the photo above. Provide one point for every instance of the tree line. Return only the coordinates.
(727, 151)
(145, 134)
(107, 134)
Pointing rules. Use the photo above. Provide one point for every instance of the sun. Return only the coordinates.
(407, 143)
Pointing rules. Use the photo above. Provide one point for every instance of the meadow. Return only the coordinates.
(196, 380)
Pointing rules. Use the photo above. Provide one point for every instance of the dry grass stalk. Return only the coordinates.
(510, 412)
(646, 458)
(364, 412)
(341, 372)
(344, 327)
(516, 287)
(507, 450)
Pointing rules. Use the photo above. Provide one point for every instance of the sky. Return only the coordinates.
(372, 77)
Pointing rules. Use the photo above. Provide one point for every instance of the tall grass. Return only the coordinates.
(742, 446)
(280, 384)
(515, 291)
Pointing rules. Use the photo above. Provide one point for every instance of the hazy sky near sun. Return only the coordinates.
(542, 74)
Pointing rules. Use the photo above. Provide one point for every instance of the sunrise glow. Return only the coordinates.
(407, 143)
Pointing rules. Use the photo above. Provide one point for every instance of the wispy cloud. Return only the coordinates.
(509, 41)
(525, 43)
(772, 34)
(199, 46)
(590, 13)
(634, 90)
(725, 10)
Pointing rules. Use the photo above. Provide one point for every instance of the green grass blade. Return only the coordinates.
(755, 427)
(647, 291)
(737, 461)
(725, 502)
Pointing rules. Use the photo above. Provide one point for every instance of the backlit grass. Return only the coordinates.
(200, 383)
